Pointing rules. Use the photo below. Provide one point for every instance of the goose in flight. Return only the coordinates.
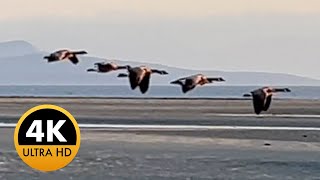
(262, 97)
(106, 67)
(140, 76)
(190, 82)
(64, 55)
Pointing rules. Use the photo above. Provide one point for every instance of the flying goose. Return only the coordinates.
(106, 67)
(140, 76)
(190, 82)
(63, 55)
(261, 97)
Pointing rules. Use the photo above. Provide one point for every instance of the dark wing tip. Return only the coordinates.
(143, 90)
(175, 82)
(221, 79)
(186, 89)
(74, 60)
(164, 72)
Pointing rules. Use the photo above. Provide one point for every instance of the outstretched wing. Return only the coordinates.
(74, 59)
(188, 85)
(258, 99)
(267, 103)
(134, 79)
(144, 84)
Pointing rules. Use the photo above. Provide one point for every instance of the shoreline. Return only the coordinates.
(155, 108)
(151, 98)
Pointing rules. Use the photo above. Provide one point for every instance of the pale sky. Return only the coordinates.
(242, 35)
(20, 9)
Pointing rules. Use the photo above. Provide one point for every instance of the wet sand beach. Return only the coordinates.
(154, 107)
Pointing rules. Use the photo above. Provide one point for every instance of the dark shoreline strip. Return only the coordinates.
(137, 98)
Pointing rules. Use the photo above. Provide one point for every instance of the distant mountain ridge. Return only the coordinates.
(16, 48)
(23, 64)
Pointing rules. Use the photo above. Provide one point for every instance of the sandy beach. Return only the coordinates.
(263, 152)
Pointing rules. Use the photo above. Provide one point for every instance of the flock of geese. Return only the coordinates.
(140, 77)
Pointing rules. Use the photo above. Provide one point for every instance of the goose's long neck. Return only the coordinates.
(92, 70)
(123, 67)
(280, 90)
(157, 71)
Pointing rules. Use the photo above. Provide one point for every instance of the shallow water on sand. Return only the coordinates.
(210, 91)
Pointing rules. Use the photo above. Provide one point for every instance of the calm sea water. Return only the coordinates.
(304, 92)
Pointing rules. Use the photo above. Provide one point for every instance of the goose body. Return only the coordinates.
(262, 97)
(140, 77)
(190, 82)
(64, 55)
(106, 67)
